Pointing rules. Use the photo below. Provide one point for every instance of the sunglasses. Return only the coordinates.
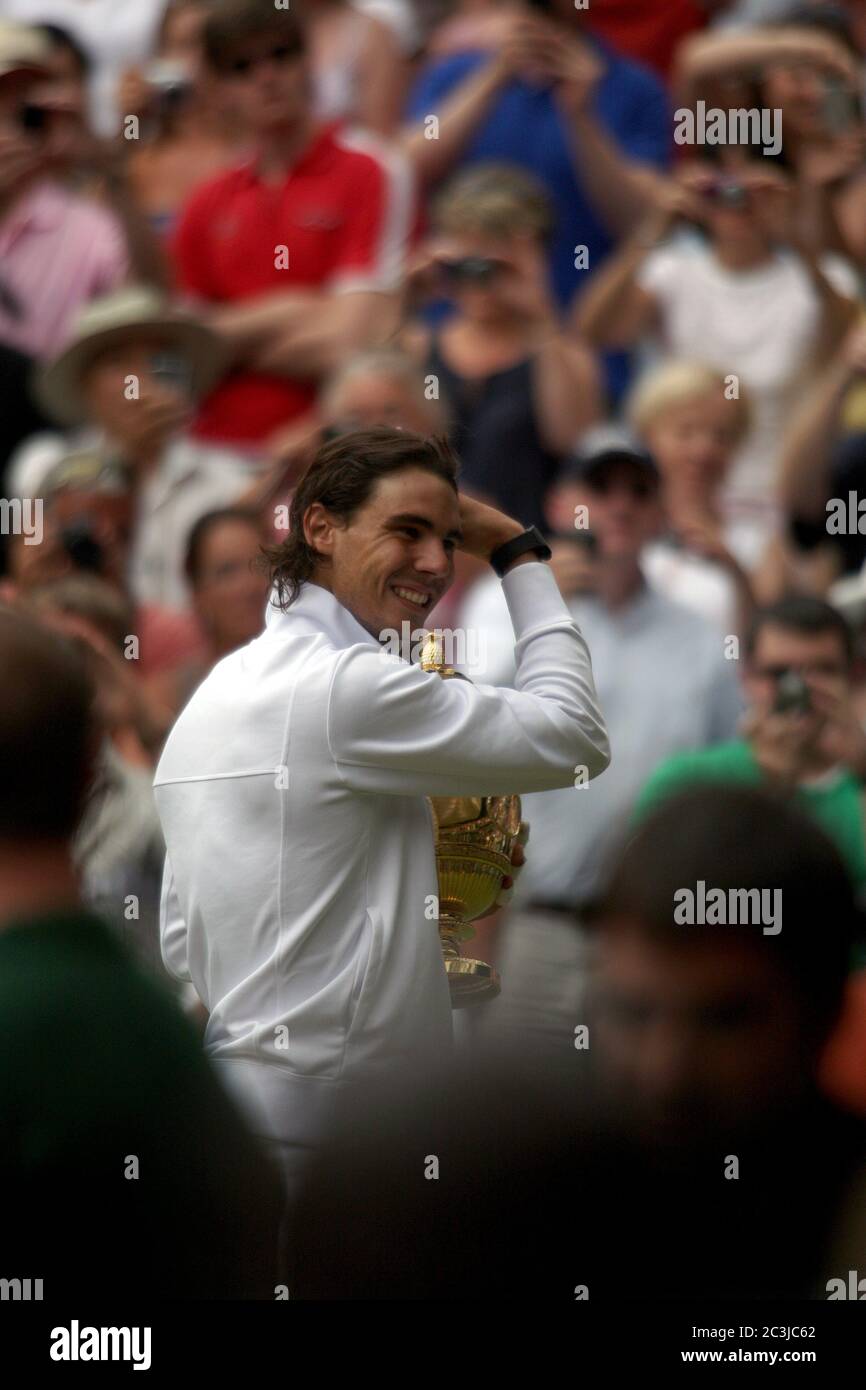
(471, 270)
(281, 54)
(172, 370)
(809, 668)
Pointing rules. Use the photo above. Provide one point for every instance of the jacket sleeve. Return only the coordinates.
(172, 929)
(395, 728)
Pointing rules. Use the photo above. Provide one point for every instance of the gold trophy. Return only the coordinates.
(475, 836)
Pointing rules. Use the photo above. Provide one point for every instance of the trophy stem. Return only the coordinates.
(470, 981)
(450, 929)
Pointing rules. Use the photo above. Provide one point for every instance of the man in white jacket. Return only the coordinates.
(292, 789)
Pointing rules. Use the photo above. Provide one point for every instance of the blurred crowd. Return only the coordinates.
(230, 231)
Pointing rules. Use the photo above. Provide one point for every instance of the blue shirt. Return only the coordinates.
(525, 127)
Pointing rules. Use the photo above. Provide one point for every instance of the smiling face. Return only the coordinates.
(693, 443)
(393, 561)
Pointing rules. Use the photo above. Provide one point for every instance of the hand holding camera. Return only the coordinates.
(809, 720)
(843, 737)
(683, 197)
(783, 737)
(154, 93)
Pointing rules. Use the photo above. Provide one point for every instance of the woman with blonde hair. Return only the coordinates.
(688, 417)
(693, 422)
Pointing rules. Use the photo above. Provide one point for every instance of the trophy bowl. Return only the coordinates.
(475, 836)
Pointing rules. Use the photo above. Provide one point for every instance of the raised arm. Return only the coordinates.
(776, 197)
(381, 81)
(621, 183)
(316, 335)
(720, 54)
(459, 114)
(395, 728)
(804, 466)
(615, 311)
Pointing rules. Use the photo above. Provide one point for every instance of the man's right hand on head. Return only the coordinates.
(485, 528)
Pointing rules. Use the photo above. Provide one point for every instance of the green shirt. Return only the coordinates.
(125, 1166)
(836, 805)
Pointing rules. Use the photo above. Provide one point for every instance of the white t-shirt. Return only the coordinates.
(757, 324)
(696, 583)
(116, 34)
(399, 15)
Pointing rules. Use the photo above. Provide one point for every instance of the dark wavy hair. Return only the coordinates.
(342, 477)
(233, 22)
(49, 731)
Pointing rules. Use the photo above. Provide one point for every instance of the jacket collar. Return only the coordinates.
(315, 610)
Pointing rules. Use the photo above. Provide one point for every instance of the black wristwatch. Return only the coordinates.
(527, 541)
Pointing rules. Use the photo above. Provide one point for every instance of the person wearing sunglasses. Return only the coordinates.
(521, 390)
(295, 255)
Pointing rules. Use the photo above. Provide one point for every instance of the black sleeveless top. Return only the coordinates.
(495, 435)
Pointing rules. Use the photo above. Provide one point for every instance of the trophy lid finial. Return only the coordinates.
(433, 654)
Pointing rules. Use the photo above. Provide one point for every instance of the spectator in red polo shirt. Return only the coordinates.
(298, 252)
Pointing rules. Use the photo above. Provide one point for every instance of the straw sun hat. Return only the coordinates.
(23, 48)
(113, 320)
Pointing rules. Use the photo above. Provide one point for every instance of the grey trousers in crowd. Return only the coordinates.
(543, 962)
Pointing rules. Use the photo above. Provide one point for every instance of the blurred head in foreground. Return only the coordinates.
(381, 386)
(706, 1027)
(203, 1222)
(48, 742)
(485, 1183)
